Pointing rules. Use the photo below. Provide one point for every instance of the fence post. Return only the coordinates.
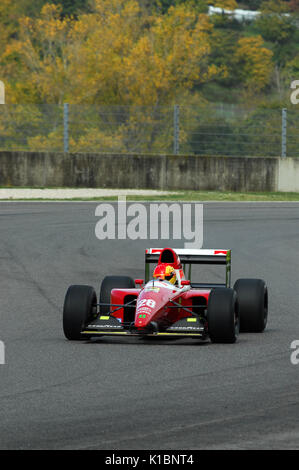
(176, 129)
(284, 133)
(66, 127)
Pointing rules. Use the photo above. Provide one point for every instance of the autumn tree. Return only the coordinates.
(38, 60)
(277, 26)
(274, 24)
(101, 44)
(294, 6)
(171, 57)
(73, 7)
(10, 13)
(249, 4)
(115, 55)
(255, 63)
(226, 4)
(201, 6)
(122, 53)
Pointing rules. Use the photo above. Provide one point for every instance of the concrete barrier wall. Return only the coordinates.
(42, 169)
(288, 174)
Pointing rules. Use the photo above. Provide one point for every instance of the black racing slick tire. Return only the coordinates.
(109, 283)
(223, 316)
(80, 306)
(253, 304)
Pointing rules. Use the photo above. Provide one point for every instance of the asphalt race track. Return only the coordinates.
(118, 393)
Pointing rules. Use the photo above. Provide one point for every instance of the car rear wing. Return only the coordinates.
(193, 256)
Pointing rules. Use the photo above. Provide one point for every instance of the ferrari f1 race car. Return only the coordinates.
(168, 304)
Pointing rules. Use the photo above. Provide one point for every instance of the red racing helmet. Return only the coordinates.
(165, 272)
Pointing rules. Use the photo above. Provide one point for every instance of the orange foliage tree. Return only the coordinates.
(115, 55)
(255, 64)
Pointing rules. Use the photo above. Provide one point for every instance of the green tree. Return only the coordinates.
(162, 6)
(294, 6)
(74, 7)
(274, 24)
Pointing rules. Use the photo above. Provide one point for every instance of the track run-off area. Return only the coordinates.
(127, 393)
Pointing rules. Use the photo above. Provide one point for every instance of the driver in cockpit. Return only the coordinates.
(165, 272)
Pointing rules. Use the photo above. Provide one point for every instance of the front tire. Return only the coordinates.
(253, 304)
(223, 317)
(109, 283)
(79, 308)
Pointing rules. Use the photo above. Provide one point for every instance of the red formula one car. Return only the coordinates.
(168, 304)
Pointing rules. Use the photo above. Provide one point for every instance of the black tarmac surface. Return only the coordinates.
(120, 393)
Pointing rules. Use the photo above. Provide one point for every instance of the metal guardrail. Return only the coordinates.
(210, 129)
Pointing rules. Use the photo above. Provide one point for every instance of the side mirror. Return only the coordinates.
(185, 283)
(139, 281)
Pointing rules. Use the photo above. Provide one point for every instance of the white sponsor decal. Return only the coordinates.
(146, 302)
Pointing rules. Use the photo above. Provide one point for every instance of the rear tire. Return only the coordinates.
(223, 317)
(80, 306)
(109, 283)
(253, 304)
